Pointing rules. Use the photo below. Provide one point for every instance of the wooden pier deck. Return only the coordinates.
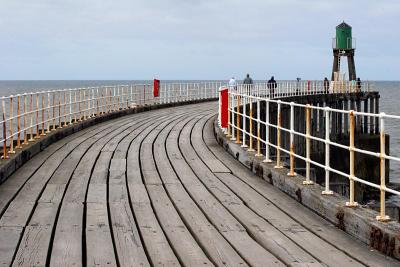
(155, 189)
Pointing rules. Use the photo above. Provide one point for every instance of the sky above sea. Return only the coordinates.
(188, 39)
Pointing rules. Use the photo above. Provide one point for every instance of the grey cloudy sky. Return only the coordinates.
(193, 39)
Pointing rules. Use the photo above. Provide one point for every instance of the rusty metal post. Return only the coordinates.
(308, 146)
(48, 113)
(65, 109)
(5, 155)
(25, 124)
(351, 203)
(31, 137)
(258, 154)
(70, 105)
(59, 111)
(54, 111)
(244, 113)
(42, 133)
(19, 122)
(292, 149)
(11, 150)
(278, 134)
(37, 136)
(382, 216)
(238, 119)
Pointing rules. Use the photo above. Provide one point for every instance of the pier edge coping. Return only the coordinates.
(17, 160)
(359, 222)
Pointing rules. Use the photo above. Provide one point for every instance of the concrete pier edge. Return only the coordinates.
(359, 222)
(9, 166)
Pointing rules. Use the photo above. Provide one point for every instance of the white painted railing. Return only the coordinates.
(240, 96)
(29, 116)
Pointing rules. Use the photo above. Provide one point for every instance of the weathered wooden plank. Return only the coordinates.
(36, 238)
(67, 243)
(214, 244)
(201, 149)
(127, 240)
(53, 193)
(17, 213)
(185, 246)
(9, 237)
(98, 232)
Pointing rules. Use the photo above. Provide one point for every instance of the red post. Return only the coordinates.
(223, 106)
(156, 87)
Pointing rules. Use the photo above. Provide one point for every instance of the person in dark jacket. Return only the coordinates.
(326, 85)
(248, 80)
(358, 85)
(272, 85)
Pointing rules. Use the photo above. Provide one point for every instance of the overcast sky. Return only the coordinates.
(193, 39)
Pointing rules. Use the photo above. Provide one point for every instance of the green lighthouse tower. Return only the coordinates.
(343, 46)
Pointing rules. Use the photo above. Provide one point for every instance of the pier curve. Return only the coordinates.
(156, 189)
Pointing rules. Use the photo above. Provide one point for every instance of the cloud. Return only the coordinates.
(192, 39)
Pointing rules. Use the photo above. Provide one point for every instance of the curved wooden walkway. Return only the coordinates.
(155, 189)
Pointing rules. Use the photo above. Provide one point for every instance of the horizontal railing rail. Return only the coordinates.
(243, 97)
(29, 116)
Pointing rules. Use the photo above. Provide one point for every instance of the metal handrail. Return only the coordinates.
(27, 117)
(241, 95)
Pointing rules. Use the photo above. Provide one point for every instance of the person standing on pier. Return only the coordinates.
(358, 85)
(248, 80)
(326, 85)
(272, 85)
(232, 84)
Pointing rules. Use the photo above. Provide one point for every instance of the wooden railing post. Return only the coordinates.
(19, 122)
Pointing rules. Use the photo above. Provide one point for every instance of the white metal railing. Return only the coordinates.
(29, 116)
(241, 96)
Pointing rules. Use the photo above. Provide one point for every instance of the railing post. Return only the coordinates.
(292, 163)
(25, 124)
(251, 124)
(244, 102)
(228, 134)
(37, 136)
(382, 216)
(308, 145)
(238, 118)
(43, 126)
(327, 191)
(70, 106)
(351, 203)
(54, 111)
(5, 155)
(232, 113)
(59, 110)
(31, 137)
(19, 122)
(258, 154)
(278, 134)
(65, 109)
(48, 113)
(11, 150)
(267, 137)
